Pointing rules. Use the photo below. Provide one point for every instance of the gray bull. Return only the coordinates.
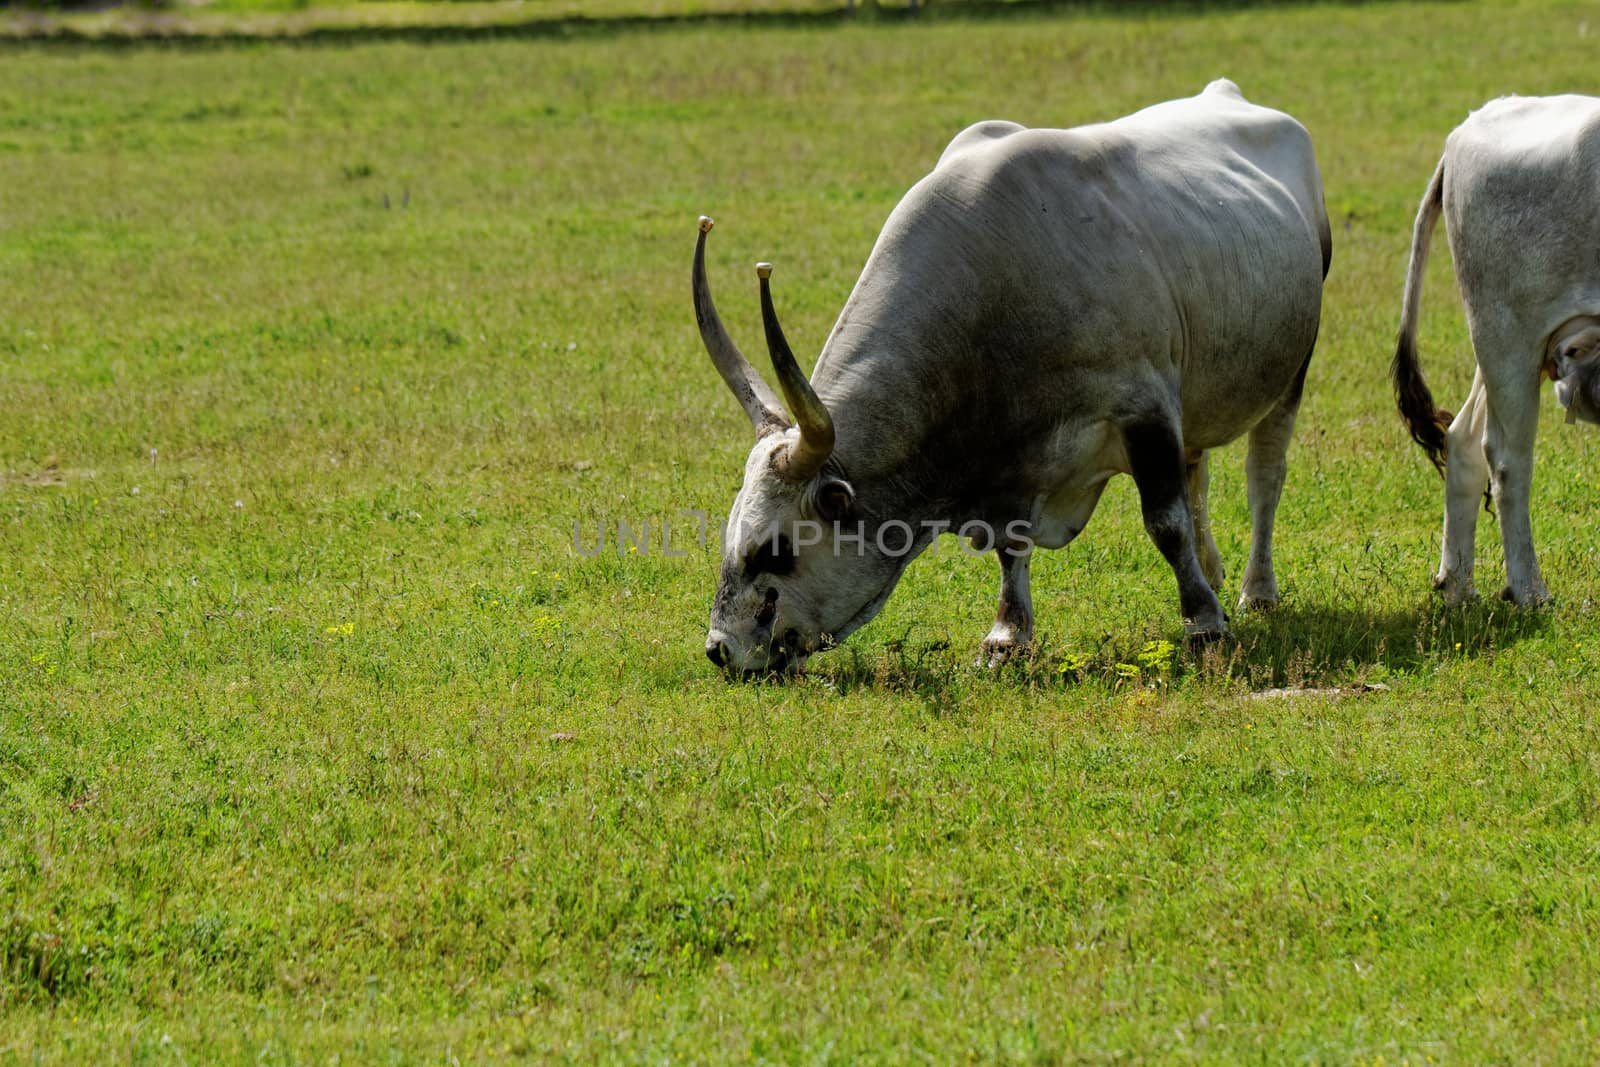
(1046, 309)
(1517, 185)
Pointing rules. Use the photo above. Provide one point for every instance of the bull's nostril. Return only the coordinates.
(717, 653)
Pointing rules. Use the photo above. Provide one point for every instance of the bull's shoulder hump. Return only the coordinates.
(978, 135)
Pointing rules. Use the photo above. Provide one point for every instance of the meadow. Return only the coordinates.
(320, 741)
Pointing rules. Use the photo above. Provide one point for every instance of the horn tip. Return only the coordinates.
(764, 271)
(706, 223)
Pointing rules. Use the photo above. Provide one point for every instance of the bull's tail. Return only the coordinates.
(1427, 422)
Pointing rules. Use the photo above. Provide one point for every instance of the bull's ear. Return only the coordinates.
(833, 499)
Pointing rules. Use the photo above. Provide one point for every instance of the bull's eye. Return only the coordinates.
(773, 557)
(768, 610)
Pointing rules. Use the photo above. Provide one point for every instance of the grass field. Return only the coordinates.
(257, 21)
(319, 741)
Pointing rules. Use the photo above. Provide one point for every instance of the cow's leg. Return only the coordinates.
(1013, 622)
(1466, 473)
(1265, 466)
(1155, 455)
(1199, 483)
(1512, 423)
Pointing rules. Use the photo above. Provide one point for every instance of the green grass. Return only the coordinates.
(318, 740)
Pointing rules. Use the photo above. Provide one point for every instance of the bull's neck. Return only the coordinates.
(914, 433)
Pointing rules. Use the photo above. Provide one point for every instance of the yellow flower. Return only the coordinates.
(340, 629)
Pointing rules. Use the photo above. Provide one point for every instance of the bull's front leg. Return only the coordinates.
(1155, 454)
(1013, 622)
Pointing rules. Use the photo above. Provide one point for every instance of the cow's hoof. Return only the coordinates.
(1537, 597)
(1259, 598)
(1456, 591)
(1202, 634)
(1200, 640)
(996, 652)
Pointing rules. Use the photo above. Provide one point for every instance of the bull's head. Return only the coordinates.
(789, 585)
(1575, 365)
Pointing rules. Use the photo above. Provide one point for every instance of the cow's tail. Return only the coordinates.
(1428, 423)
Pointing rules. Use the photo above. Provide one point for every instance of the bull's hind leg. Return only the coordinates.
(1155, 454)
(1512, 399)
(1265, 466)
(1199, 484)
(1466, 473)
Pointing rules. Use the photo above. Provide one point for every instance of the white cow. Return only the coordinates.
(1045, 310)
(1518, 186)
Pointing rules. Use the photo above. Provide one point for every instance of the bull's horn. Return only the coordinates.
(816, 425)
(752, 392)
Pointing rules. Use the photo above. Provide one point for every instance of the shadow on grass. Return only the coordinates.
(194, 33)
(1294, 646)
(1299, 644)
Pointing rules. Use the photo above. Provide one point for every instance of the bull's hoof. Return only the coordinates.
(1200, 640)
(1532, 599)
(1261, 596)
(1203, 617)
(994, 654)
(1209, 633)
(1454, 589)
(1003, 644)
(1259, 590)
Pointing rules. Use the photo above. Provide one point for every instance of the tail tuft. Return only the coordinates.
(1428, 423)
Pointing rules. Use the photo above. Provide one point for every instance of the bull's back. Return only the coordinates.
(1196, 193)
(1194, 229)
